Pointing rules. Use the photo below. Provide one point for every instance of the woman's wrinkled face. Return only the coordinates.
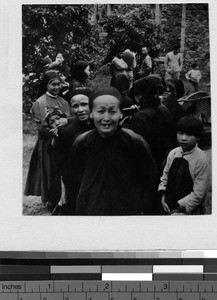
(80, 107)
(106, 114)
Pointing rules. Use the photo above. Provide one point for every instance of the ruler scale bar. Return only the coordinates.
(128, 276)
(106, 286)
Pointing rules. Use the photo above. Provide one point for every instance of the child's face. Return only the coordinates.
(54, 87)
(56, 121)
(186, 141)
(80, 107)
(106, 114)
(59, 58)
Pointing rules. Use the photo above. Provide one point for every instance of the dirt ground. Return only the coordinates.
(32, 205)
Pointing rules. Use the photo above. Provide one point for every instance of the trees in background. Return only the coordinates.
(93, 32)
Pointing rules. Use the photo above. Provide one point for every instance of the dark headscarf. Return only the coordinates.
(105, 91)
(177, 87)
(80, 91)
(121, 82)
(149, 87)
(77, 71)
(47, 78)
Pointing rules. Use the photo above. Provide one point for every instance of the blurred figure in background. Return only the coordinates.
(173, 63)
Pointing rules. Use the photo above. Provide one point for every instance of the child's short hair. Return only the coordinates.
(176, 47)
(105, 91)
(190, 125)
(194, 65)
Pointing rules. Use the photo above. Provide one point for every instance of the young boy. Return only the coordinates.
(194, 77)
(186, 175)
(112, 169)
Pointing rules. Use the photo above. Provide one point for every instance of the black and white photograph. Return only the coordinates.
(108, 125)
(116, 109)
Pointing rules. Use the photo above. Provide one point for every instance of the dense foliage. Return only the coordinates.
(197, 33)
(131, 30)
(49, 29)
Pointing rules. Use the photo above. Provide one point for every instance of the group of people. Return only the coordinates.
(125, 63)
(88, 161)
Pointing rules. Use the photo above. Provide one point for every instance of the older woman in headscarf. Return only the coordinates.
(80, 71)
(113, 171)
(43, 167)
(153, 121)
(174, 90)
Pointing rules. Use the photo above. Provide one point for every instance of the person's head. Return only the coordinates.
(144, 50)
(59, 58)
(105, 106)
(195, 66)
(80, 104)
(55, 117)
(119, 52)
(176, 49)
(51, 83)
(174, 88)
(80, 71)
(121, 83)
(189, 130)
(146, 91)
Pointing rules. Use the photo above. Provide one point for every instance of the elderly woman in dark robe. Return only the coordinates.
(112, 169)
(153, 121)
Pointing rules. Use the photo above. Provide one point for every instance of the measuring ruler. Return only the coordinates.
(108, 290)
(106, 276)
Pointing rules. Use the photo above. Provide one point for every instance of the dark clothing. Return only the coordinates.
(61, 149)
(68, 134)
(43, 168)
(114, 176)
(179, 184)
(154, 125)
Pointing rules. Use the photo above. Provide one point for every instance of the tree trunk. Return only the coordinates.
(109, 10)
(183, 28)
(93, 19)
(157, 14)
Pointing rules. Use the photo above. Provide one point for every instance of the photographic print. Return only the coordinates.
(107, 135)
(116, 109)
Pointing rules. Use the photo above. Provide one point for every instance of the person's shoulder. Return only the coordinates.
(84, 137)
(169, 53)
(41, 99)
(200, 155)
(63, 100)
(175, 152)
(135, 137)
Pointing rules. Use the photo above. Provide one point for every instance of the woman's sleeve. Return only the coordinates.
(35, 110)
